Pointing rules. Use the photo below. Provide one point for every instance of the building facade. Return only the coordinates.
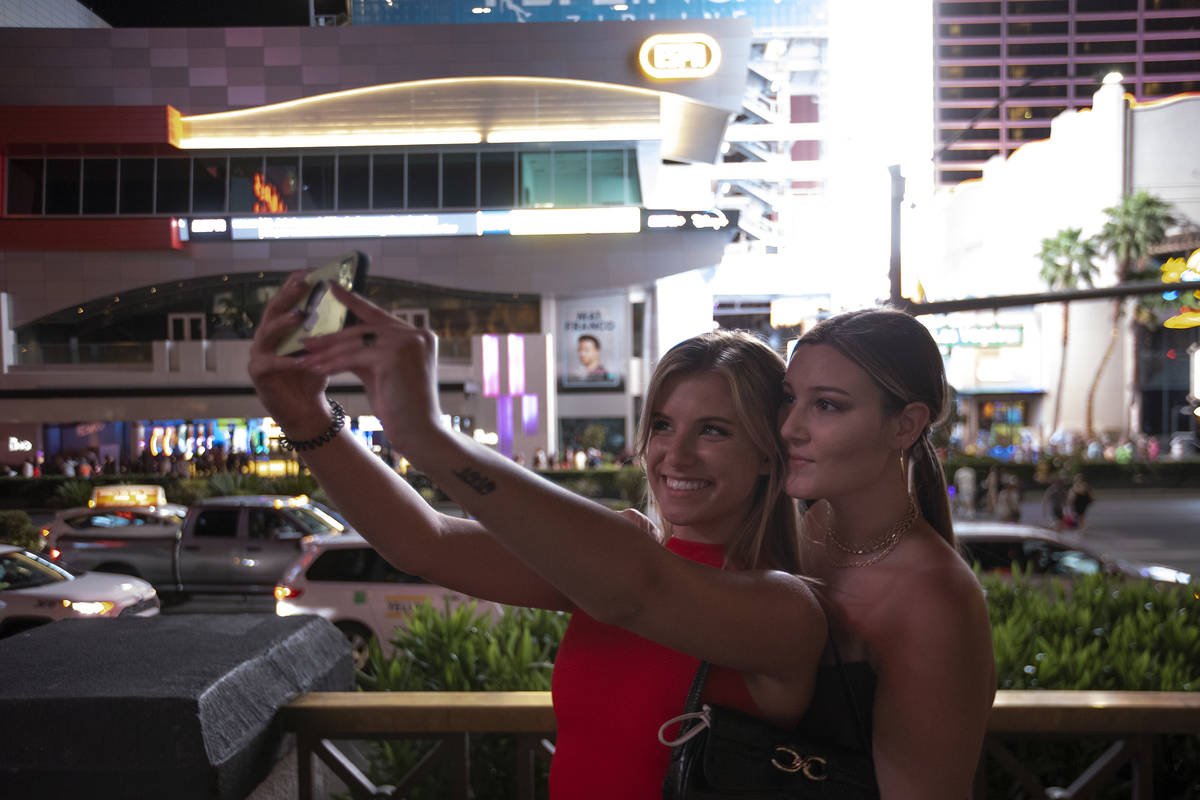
(1004, 69)
(515, 194)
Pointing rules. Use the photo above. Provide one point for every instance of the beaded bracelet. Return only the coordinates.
(339, 422)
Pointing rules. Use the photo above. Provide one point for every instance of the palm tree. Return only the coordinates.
(1067, 261)
(1134, 227)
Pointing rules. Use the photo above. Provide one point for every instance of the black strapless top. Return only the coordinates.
(833, 716)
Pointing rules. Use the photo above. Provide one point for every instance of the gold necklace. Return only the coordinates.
(878, 549)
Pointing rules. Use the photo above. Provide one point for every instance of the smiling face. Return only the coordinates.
(838, 437)
(700, 461)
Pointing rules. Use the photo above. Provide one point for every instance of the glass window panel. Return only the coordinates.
(634, 186)
(570, 178)
(316, 183)
(241, 182)
(208, 184)
(172, 182)
(354, 189)
(608, 177)
(458, 180)
(100, 186)
(536, 190)
(388, 178)
(62, 185)
(497, 176)
(278, 192)
(137, 186)
(423, 180)
(25, 185)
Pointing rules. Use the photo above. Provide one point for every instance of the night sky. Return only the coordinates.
(205, 13)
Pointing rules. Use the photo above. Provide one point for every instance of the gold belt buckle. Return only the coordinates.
(813, 767)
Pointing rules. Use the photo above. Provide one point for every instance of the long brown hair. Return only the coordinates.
(754, 374)
(902, 358)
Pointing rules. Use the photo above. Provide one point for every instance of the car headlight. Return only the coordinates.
(89, 608)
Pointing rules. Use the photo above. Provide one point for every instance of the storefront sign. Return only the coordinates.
(680, 55)
(18, 445)
(980, 336)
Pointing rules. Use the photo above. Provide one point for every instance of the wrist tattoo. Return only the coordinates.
(475, 480)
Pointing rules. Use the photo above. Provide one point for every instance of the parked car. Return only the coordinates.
(997, 546)
(34, 591)
(343, 579)
(237, 545)
(117, 507)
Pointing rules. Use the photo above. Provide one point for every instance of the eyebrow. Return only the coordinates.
(812, 389)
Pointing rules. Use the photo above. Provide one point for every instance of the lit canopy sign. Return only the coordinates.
(980, 336)
(680, 55)
(515, 222)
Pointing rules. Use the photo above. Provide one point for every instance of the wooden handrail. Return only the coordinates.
(318, 717)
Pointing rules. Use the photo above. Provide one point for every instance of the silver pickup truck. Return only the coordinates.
(238, 545)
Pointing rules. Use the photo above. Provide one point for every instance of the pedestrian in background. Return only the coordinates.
(1079, 498)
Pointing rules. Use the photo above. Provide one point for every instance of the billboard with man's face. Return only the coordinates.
(591, 343)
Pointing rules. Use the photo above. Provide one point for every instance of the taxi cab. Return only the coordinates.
(343, 579)
(114, 507)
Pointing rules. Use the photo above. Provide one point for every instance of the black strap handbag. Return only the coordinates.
(723, 753)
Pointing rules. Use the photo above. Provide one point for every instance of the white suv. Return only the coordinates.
(343, 579)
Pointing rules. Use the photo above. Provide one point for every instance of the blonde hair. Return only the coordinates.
(902, 358)
(754, 374)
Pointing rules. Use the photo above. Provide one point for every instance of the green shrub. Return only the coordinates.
(463, 650)
(186, 491)
(224, 484)
(1101, 632)
(71, 493)
(17, 529)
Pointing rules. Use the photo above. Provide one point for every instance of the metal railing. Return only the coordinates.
(1131, 721)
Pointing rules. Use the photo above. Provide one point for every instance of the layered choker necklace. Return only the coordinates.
(868, 554)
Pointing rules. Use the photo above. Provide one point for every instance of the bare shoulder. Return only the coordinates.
(943, 606)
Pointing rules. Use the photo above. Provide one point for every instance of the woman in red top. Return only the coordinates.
(723, 589)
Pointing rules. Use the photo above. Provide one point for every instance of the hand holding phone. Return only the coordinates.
(322, 313)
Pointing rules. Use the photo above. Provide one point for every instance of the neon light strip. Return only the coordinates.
(516, 363)
(574, 133)
(529, 414)
(504, 423)
(362, 138)
(491, 365)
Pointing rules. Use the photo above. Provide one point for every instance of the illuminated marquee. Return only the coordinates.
(680, 55)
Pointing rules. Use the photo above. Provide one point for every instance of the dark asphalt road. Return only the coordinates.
(1160, 526)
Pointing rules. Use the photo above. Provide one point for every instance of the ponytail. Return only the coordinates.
(927, 485)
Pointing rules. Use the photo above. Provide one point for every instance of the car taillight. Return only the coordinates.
(284, 592)
(54, 553)
(45, 533)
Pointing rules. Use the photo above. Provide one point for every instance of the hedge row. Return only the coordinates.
(1101, 632)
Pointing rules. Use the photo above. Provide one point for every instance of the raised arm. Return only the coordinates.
(453, 552)
(765, 623)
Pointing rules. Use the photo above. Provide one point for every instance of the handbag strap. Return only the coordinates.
(693, 697)
(860, 726)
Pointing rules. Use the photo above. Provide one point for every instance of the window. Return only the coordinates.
(62, 185)
(388, 181)
(208, 184)
(459, 180)
(25, 185)
(357, 565)
(608, 177)
(316, 183)
(137, 186)
(571, 178)
(269, 524)
(241, 182)
(536, 190)
(100, 186)
(354, 186)
(217, 523)
(279, 186)
(423, 180)
(173, 186)
(497, 176)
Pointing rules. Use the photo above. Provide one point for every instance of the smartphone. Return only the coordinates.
(324, 313)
